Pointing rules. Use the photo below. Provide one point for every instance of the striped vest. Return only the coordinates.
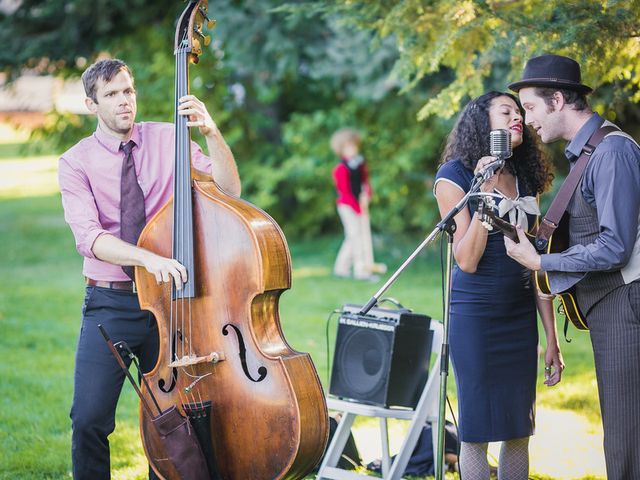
(583, 230)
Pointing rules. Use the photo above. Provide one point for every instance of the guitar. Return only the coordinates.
(487, 216)
(558, 242)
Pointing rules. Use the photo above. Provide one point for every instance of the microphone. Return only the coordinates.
(500, 143)
(500, 147)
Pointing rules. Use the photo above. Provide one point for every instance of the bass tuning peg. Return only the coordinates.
(206, 39)
(210, 22)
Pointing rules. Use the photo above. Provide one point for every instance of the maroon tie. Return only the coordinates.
(132, 216)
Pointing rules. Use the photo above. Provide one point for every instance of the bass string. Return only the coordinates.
(185, 236)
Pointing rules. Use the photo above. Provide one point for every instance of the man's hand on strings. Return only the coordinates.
(523, 252)
(166, 269)
(197, 114)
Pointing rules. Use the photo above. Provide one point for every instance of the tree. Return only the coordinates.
(280, 79)
(475, 39)
(277, 83)
(305, 76)
(58, 35)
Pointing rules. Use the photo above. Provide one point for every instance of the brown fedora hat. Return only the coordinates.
(554, 71)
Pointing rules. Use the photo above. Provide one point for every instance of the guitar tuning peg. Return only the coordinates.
(207, 40)
(487, 225)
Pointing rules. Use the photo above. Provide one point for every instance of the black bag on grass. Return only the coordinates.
(421, 462)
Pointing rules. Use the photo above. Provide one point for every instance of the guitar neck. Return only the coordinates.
(486, 214)
(506, 228)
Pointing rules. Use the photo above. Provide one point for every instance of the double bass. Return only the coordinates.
(256, 404)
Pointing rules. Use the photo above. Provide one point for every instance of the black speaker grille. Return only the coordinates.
(381, 358)
(364, 359)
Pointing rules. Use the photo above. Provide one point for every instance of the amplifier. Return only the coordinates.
(381, 358)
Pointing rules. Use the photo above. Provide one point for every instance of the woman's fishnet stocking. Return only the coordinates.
(514, 460)
(473, 461)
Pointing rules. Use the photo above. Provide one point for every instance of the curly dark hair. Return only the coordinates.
(469, 141)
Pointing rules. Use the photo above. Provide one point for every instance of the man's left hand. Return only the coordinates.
(197, 114)
(523, 252)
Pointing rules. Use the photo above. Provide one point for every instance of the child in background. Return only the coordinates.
(354, 194)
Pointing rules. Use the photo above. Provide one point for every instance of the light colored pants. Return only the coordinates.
(356, 251)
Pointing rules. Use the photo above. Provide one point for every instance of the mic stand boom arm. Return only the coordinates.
(448, 226)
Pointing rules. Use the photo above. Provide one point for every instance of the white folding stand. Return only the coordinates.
(426, 411)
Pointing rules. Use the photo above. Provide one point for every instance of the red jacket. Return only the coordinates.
(341, 178)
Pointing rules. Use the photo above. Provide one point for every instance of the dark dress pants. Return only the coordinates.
(98, 378)
(614, 325)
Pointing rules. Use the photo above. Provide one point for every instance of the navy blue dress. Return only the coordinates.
(493, 337)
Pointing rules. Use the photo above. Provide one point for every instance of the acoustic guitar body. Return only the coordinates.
(559, 242)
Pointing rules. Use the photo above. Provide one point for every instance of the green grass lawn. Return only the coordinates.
(40, 318)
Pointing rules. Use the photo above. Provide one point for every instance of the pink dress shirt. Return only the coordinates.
(89, 178)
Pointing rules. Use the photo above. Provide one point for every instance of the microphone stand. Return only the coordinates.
(446, 225)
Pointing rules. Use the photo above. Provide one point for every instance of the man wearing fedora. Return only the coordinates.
(603, 259)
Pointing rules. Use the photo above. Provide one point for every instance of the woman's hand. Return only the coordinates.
(553, 365)
(491, 183)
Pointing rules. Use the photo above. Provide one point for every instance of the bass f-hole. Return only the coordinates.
(242, 353)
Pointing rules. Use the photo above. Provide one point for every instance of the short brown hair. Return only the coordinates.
(571, 97)
(105, 70)
(342, 137)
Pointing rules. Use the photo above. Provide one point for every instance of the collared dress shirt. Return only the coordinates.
(611, 185)
(89, 177)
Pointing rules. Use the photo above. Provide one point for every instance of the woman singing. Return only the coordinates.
(493, 329)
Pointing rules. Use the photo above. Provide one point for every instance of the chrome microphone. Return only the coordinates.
(500, 147)
(500, 143)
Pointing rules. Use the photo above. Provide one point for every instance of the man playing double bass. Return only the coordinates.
(112, 183)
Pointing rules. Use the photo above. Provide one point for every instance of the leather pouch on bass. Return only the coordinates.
(182, 447)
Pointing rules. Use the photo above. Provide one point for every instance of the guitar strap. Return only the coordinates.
(561, 201)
